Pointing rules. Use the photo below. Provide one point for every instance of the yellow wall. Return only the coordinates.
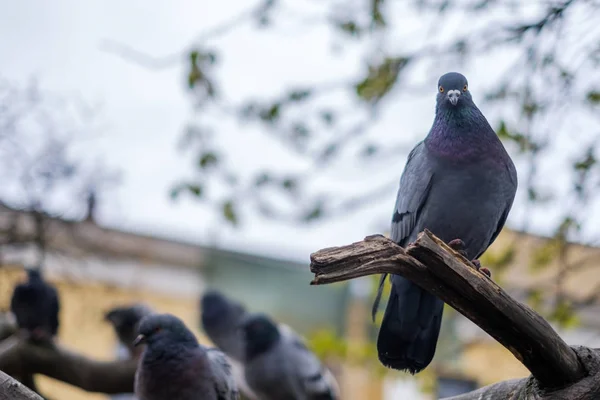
(489, 362)
(81, 321)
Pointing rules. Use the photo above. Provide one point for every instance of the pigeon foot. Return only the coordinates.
(459, 246)
(479, 268)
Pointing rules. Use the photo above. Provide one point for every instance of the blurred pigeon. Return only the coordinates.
(175, 366)
(280, 367)
(220, 317)
(125, 321)
(460, 183)
(35, 305)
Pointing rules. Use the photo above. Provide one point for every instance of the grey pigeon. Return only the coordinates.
(460, 183)
(125, 321)
(175, 366)
(281, 367)
(220, 317)
(35, 305)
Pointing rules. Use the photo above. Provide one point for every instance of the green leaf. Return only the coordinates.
(194, 76)
(567, 225)
(535, 298)
(289, 184)
(524, 143)
(300, 130)
(328, 117)
(593, 97)
(381, 79)
(543, 255)
(370, 150)
(193, 188)
(229, 212)
(530, 108)
(350, 27)
(564, 315)
(588, 161)
(329, 150)
(315, 213)
(299, 95)
(210, 57)
(262, 179)
(377, 13)
(208, 159)
(271, 114)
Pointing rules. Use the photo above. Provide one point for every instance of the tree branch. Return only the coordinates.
(437, 268)
(587, 388)
(11, 389)
(20, 358)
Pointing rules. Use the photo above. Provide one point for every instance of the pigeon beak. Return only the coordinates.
(139, 340)
(453, 96)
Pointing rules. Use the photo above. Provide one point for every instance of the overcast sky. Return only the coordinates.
(146, 110)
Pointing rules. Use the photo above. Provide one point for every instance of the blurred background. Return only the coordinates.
(151, 150)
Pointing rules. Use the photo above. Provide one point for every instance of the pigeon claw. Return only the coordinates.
(479, 268)
(459, 246)
(486, 271)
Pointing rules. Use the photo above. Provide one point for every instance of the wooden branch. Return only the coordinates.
(434, 266)
(587, 388)
(11, 389)
(21, 358)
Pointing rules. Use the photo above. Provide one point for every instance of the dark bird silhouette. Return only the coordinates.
(460, 183)
(220, 317)
(35, 305)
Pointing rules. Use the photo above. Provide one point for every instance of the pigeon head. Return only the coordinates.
(126, 317)
(260, 333)
(216, 306)
(34, 274)
(453, 91)
(164, 329)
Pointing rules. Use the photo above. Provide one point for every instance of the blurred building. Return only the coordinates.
(96, 268)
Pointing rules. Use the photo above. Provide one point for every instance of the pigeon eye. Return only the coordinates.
(441, 89)
(465, 88)
(157, 329)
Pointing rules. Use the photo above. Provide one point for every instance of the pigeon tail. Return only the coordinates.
(410, 328)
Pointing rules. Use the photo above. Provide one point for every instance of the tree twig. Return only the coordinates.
(18, 357)
(437, 268)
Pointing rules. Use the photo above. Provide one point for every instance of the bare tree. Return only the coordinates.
(44, 174)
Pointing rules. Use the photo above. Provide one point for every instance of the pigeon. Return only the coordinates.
(220, 318)
(125, 321)
(279, 366)
(175, 366)
(35, 305)
(459, 183)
